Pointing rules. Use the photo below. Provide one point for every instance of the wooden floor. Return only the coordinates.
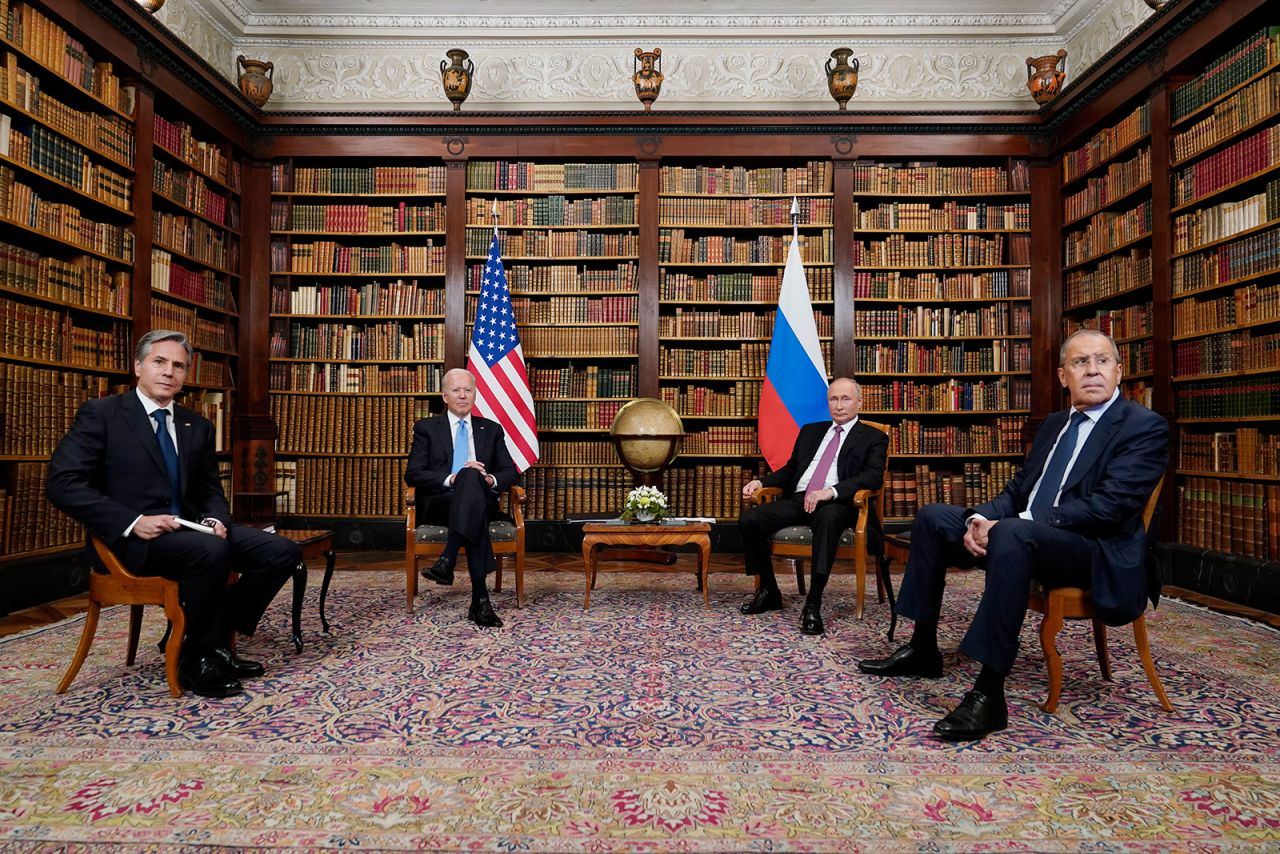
(42, 615)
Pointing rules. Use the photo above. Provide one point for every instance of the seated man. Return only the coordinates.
(1072, 517)
(830, 462)
(131, 466)
(459, 464)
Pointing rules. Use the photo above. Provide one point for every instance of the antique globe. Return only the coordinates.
(647, 434)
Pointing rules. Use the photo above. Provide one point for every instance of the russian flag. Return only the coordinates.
(795, 381)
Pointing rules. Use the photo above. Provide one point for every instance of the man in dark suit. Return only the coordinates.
(830, 462)
(459, 464)
(131, 466)
(1072, 517)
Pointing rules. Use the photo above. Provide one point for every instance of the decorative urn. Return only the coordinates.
(151, 6)
(255, 79)
(842, 77)
(648, 76)
(1044, 78)
(456, 76)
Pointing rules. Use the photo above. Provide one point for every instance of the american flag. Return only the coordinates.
(496, 359)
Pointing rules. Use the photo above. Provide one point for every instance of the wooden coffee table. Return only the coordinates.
(599, 534)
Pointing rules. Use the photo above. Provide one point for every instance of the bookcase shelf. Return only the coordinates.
(66, 242)
(101, 206)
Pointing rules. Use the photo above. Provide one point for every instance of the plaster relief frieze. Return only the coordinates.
(1110, 22)
(199, 33)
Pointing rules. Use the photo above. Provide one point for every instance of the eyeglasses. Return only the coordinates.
(1101, 362)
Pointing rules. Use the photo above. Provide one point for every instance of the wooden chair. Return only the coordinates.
(795, 543)
(1076, 603)
(118, 586)
(427, 541)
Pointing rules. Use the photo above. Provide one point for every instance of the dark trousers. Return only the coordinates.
(201, 563)
(1018, 551)
(758, 524)
(464, 510)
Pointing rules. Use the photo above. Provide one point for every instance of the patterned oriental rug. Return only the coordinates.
(645, 724)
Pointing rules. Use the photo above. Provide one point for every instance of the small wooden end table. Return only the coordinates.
(315, 543)
(599, 534)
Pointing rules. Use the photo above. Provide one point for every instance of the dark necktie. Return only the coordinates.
(170, 455)
(819, 479)
(1051, 480)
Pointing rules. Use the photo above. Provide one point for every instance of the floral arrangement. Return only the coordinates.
(645, 504)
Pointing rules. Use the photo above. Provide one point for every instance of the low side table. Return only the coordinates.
(315, 543)
(599, 534)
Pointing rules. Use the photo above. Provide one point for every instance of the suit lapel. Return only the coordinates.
(1098, 439)
(143, 427)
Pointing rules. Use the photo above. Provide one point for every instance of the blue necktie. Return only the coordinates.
(170, 455)
(460, 454)
(1051, 480)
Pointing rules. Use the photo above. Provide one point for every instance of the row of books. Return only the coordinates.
(1208, 225)
(325, 256)
(927, 178)
(1241, 398)
(1120, 179)
(1104, 144)
(51, 154)
(555, 209)
(356, 180)
(102, 132)
(316, 424)
(905, 492)
(1113, 275)
(810, 210)
(675, 248)
(34, 523)
(1128, 322)
(1255, 102)
(582, 381)
(583, 340)
(1225, 353)
(208, 371)
(554, 244)
(84, 281)
(196, 239)
(943, 250)
(551, 177)
(814, 177)
(1232, 516)
(1251, 255)
(915, 437)
(37, 406)
(569, 309)
(205, 333)
(1003, 318)
(966, 357)
(403, 296)
(894, 284)
(35, 332)
(355, 379)
(687, 323)
(1250, 156)
(394, 340)
(1229, 70)
(1244, 450)
(739, 287)
(54, 48)
(556, 492)
(192, 191)
(560, 278)
(743, 361)
(202, 286)
(343, 486)
(357, 219)
(921, 216)
(721, 440)
(1246, 304)
(1138, 357)
(711, 490)
(22, 204)
(1106, 230)
(177, 137)
(215, 406)
(742, 400)
(1002, 394)
(576, 414)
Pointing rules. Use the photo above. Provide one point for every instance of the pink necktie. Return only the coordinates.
(819, 479)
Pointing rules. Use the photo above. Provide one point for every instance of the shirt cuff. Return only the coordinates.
(132, 525)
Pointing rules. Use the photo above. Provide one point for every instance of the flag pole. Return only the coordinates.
(795, 218)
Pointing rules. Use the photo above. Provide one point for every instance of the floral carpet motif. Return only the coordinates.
(644, 724)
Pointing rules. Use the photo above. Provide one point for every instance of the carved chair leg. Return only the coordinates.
(135, 628)
(411, 582)
(520, 578)
(497, 574)
(799, 565)
(1148, 663)
(173, 648)
(1049, 628)
(82, 651)
(1100, 644)
(860, 566)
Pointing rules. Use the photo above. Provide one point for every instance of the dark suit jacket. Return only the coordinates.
(431, 457)
(108, 470)
(1124, 457)
(860, 464)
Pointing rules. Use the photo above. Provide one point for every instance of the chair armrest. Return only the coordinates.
(862, 499)
(515, 505)
(765, 494)
(410, 508)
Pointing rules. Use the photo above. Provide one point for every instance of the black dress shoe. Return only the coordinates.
(240, 668)
(441, 572)
(977, 716)
(481, 613)
(764, 600)
(811, 621)
(907, 661)
(205, 675)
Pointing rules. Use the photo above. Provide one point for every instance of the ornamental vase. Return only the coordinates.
(648, 76)
(151, 6)
(644, 516)
(842, 78)
(1044, 78)
(255, 79)
(456, 76)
